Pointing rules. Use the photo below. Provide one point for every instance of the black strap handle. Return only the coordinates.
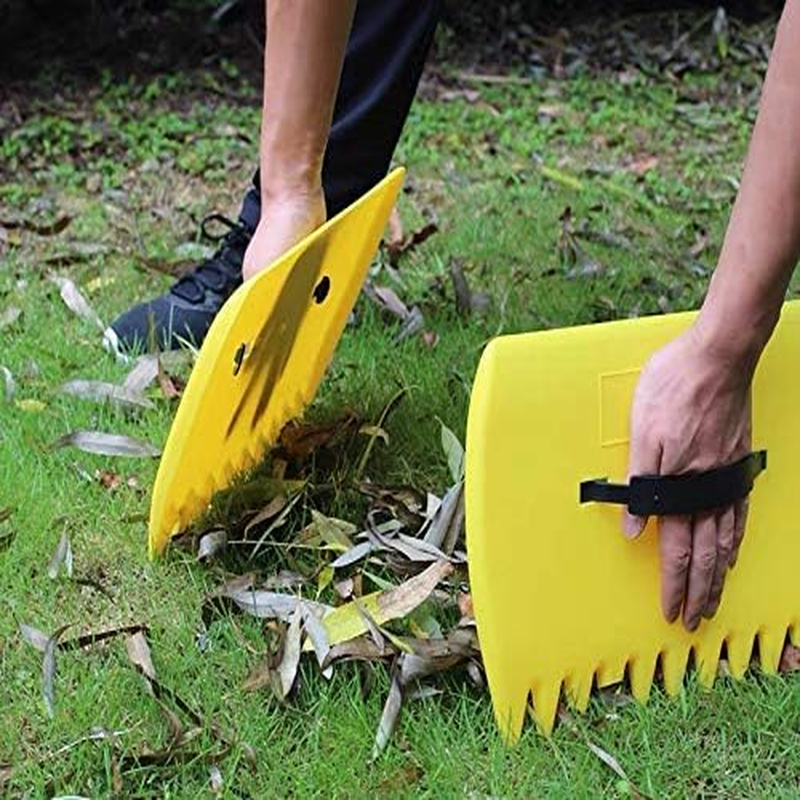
(666, 495)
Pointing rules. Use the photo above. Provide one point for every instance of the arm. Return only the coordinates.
(691, 410)
(303, 57)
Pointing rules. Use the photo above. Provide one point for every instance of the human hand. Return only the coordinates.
(285, 220)
(691, 412)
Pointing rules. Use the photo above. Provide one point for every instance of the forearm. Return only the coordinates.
(763, 238)
(305, 47)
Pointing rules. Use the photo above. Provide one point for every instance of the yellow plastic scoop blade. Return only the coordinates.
(263, 359)
(561, 598)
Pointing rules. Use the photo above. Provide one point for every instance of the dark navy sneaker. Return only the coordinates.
(184, 313)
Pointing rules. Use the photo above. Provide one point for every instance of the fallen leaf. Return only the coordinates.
(259, 677)
(271, 510)
(100, 391)
(108, 444)
(215, 780)
(346, 622)
(460, 287)
(290, 661)
(30, 405)
(108, 479)
(446, 526)
(318, 638)
(265, 604)
(75, 301)
(298, 441)
(170, 387)
(465, 605)
(9, 317)
(50, 229)
(143, 374)
(643, 165)
(790, 659)
(390, 715)
(211, 544)
(49, 670)
(139, 654)
(39, 640)
(9, 384)
(410, 242)
(372, 627)
(454, 452)
(395, 234)
(413, 325)
(603, 755)
(62, 555)
(354, 554)
(335, 533)
(375, 432)
(33, 636)
(387, 299)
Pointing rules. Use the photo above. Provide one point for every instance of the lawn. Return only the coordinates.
(563, 199)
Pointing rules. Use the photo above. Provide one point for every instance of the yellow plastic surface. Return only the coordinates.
(282, 327)
(561, 598)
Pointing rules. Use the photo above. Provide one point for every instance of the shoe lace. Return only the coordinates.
(223, 270)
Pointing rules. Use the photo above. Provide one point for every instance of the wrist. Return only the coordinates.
(732, 340)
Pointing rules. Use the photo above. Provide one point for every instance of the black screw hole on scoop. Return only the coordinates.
(322, 289)
(238, 358)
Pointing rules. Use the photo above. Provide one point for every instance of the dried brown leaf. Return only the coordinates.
(100, 391)
(259, 677)
(49, 670)
(139, 654)
(390, 715)
(395, 234)
(460, 288)
(388, 299)
(410, 242)
(171, 387)
(211, 544)
(790, 659)
(61, 556)
(108, 444)
(412, 326)
(34, 636)
(143, 374)
(49, 229)
(271, 510)
(298, 441)
(318, 638)
(290, 660)
(75, 301)
(9, 317)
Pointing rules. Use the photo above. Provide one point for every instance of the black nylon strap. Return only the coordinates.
(666, 495)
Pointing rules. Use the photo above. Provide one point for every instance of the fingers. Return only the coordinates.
(740, 520)
(675, 545)
(645, 459)
(701, 568)
(725, 541)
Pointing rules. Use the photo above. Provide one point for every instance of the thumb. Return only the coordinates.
(645, 459)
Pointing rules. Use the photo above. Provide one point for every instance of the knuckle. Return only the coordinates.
(705, 560)
(678, 558)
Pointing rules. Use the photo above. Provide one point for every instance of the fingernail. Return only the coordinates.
(711, 609)
(691, 625)
(632, 526)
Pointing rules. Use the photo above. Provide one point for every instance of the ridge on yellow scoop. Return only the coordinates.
(263, 359)
(561, 598)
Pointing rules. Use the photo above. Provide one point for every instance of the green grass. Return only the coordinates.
(137, 165)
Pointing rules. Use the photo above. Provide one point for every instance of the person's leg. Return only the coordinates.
(386, 53)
